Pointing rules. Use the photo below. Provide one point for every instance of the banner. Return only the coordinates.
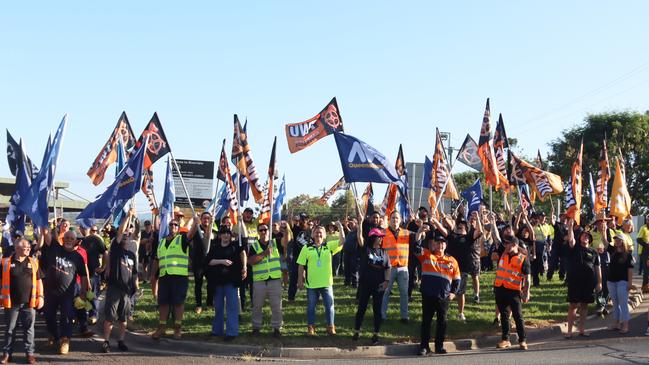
(473, 196)
(339, 185)
(242, 159)
(574, 189)
(620, 198)
(367, 199)
(265, 216)
(362, 162)
(486, 151)
(468, 154)
(500, 143)
(543, 183)
(301, 135)
(168, 199)
(603, 175)
(108, 154)
(158, 144)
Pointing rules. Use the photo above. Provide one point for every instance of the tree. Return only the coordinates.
(626, 131)
(305, 203)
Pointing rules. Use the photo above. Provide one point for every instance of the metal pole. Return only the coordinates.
(182, 182)
(414, 181)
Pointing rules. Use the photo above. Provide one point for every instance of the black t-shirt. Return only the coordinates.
(221, 274)
(464, 249)
(373, 263)
(302, 238)
(582, 262)
(61, 268)
(95, 248)
(619, 265)
(123, 269)
(20, 281)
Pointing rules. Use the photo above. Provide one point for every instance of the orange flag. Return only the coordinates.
(486, 152)
(620, 198)
(603, 175)
(573, 194)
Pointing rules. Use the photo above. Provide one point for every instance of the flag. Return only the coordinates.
(500, 143)
(539, 159)
(107, 156)
(117, 194)
(426, 182)
(473, 195)
(265, 216)
(440, 173)
(592, 192)
(468, 154)
(121, 161)
(574, 188)
(303, 134)
(148, 190)
(603, 175)
(516, 176)
(158, 144)
(404, 199)
(368, 199)
(524, 197)
(34, 202)
(389, 200)
(13, 151)
(242, 159)
(168, 199)
(279, 201)
(486, 151)
(244, 188)
(543, 183)
(340, 184)
(15, 217)
(224, 167)
(362, 162)
(620, 198)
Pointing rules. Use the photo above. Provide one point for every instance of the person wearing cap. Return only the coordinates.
(584, 277)
(542, 235)
(315, 261)
(225, 266)
(22, 293)
(397, 242)
(173, 260)
(180, 217)
(440, 282)
(249, 223)
(414, 267)
(373, 279)
(620, 281)
(643, 250)
(97, 259)
(61, 265)
(511, 289)
(266, 279)
(122, 283)
(129, 230)
(200, 248)
(301, 238)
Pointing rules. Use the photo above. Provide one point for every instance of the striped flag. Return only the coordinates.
(603, 175)
(574, 188)
(242, 159)
(340, 184)
(486, 151)
(500, 144)
(267, 206)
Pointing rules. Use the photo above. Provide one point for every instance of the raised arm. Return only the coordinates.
(122, 227)
(359, 231)
(194, 228)
(571, 234)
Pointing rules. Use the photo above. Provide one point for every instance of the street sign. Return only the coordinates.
(198, 177)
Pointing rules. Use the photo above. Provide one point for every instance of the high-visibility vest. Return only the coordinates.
(173, 260)
(269, 267)
(397, 247)
(509, 273)
(5, 293)
(445, 266)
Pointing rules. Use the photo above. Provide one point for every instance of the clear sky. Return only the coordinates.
(398, 69)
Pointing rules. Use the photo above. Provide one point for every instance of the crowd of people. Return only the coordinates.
(62, 271)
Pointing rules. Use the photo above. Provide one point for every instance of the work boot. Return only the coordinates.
(64, 346)
(159, 332)
(310, 330)
(504, 344)
(331, 330)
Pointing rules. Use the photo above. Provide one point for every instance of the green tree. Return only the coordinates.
(627, 132)
(305, 203)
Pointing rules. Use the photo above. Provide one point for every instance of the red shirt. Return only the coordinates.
(84, 255)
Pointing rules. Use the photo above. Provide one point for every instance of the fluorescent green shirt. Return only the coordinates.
(644, 234)
(318, 264)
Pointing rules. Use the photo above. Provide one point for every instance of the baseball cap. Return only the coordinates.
(376, 232)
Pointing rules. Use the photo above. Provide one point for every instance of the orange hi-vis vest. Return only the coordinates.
(5, 292)
(398, 247)
(443, 266)
(509, 273)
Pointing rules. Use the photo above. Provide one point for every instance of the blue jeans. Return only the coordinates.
(95, 281)
(53, 304)
(229, 295)
(620, 296)
(27, 317)
(312, 296)
(401, 277)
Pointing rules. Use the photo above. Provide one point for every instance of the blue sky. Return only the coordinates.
(398, 69)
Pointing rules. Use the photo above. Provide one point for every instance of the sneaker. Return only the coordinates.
(504, 344)
(523, 345)
(92, 320)
(441, 351)
(122, 346)
(64, 346)
(476, 299)
(357, 335)
(423, 351)
(310, 331)
(375, 340)
(6, 358)
(461, 317)
(105, 347)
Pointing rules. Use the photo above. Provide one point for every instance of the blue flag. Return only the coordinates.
(279, 201)
(428, 174)
(473, 195)
(167, 205)
(121, 160)
(117, 194)
(244, 187)
(15, 217)
(363, 163)
(34, 203)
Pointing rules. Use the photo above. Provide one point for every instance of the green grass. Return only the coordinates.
(547, 305)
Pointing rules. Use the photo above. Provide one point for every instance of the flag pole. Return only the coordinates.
(491, 198)
(414, 178)
(216, 191)
(355, 193)
(182, 182)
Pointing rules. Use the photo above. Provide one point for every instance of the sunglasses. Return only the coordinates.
(263, 230)
(173, 224)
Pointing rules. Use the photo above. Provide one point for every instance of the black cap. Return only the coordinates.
(223, 229)
(461, 220)
(304, 216)
(248, 210)
(510, 239)
(434, 236)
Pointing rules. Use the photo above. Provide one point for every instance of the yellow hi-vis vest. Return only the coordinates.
(269, 267)
(172, 259)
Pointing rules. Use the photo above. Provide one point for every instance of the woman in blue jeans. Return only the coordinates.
(620, 276)
(225, 268)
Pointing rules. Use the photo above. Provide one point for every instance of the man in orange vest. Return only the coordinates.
(440, 282)
(397, 242)
(22, 292)
(512, 287)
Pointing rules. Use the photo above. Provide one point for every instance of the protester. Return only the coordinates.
(225, 267)
(21, 294)
(97, 259)
(267, 283)
(351, 253)
(199, 250)
(122, 283)
(148, 243)
(620, 281)
(301, 238)
(643, 244)
(373, 280)
(584, 278)
(541, 235)
(315, 261)
(129, 230)
(512, 288)
(173, 260)
(439, 284)
(559, 250)
(414, 267)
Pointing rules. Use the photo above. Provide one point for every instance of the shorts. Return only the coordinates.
(283, 264)
(581, 292)
(464, 278)
(172, 289)
(116, 305)
(474, 268)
